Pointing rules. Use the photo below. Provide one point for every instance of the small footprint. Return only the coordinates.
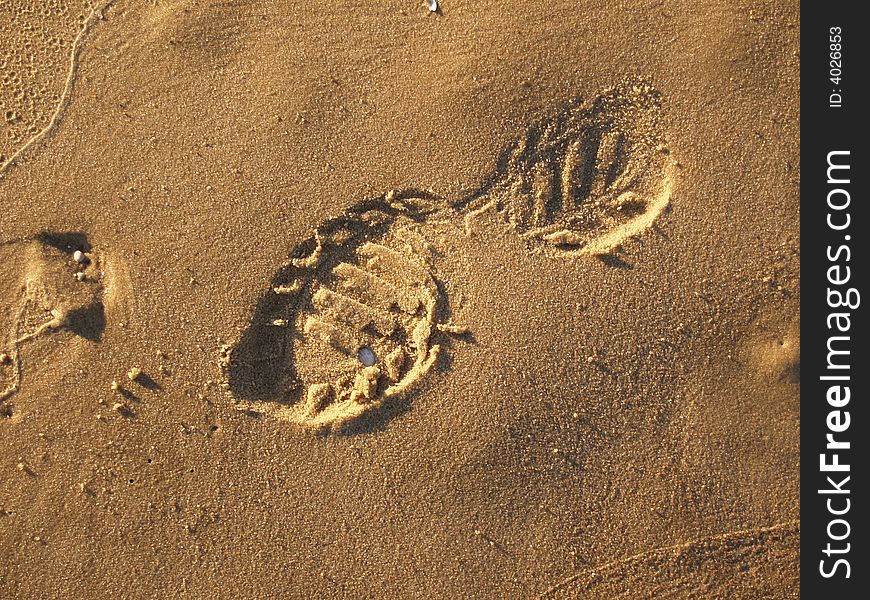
(353, 320)
(54, 283)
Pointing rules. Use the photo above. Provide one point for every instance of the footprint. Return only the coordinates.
(584, 181)
(349, 322)
(352, 322)
(54, 284)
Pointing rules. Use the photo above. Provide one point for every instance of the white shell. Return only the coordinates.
(367, 356)
(433, 5)
(78, 256)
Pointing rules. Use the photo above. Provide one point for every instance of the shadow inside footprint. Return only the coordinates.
(88, 322)
(66, 241)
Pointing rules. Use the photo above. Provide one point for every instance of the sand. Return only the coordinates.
(566, 233)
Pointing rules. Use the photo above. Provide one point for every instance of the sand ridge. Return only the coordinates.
(758, 563)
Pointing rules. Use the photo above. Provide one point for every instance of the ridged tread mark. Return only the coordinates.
(361, 282)
(586, 179)
(345, 310)
(374, 290)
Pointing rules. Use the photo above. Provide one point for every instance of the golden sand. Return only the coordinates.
(365, 300)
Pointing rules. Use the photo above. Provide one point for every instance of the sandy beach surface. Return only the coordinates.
(361, 300)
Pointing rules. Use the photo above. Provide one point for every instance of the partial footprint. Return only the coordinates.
(584, 181)
(349, 323)
(54, 284)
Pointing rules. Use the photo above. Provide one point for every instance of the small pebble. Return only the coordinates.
(134, 373)
(115, 386)
(79, 256)
(433, 5)
(80, 276)
(367, 356)
(5, 359)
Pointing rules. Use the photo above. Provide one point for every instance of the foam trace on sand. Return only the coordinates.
(587, 179)
(348, 324)
(56, 283)
(33, 100)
